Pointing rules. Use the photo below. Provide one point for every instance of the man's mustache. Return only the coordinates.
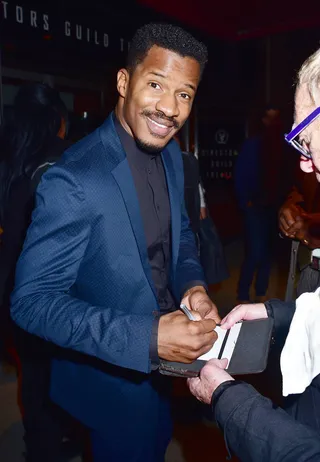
(158, 115)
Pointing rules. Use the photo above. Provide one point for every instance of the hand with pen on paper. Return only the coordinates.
(197, 299)
(180, 339)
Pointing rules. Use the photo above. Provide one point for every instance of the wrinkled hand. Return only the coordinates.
(247, 312)
(197, 299)
(212, 375)
(182, 340)
(288, 215)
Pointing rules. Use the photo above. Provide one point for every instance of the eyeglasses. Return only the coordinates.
(290, 138)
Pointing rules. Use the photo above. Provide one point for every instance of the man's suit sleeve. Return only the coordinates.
(42, 302)
(255, 430)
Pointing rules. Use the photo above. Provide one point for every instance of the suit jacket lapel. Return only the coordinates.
(123, 176)
(174, 205)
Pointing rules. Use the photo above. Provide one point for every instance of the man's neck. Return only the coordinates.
(119, 115)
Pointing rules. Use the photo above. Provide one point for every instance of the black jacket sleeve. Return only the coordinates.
(282, 313)
(256, 431)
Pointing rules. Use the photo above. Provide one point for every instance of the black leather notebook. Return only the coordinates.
(246, 346)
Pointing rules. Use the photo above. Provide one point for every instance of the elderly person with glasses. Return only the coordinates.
(254, 429)
(305, 138)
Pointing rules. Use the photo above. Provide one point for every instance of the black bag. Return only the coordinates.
(212, 256)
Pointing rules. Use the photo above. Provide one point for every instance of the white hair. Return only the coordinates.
(309, 74)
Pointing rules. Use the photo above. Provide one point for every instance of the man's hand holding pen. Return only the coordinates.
(183, 340)
(197, 299)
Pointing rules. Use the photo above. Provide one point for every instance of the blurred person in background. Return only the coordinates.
(192, 186)
(258, 184)
(298, 218)
(211, 252)
(31, 140)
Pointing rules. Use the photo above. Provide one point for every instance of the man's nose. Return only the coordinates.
(168, 105)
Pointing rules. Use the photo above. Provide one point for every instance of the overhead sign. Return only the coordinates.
(65, 27)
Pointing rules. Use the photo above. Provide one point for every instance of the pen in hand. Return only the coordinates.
(188, 313)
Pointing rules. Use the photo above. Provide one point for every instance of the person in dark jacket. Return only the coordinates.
(254, 429)
(31, 140)
(210, 247)
(258, 185)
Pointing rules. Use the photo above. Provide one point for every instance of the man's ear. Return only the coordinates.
(306, 165)
(123, 82)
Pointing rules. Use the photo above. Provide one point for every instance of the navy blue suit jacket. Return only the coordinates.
(84, 282)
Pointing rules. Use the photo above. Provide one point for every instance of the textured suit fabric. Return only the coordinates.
(84, 282)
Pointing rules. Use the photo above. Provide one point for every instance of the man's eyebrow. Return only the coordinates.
(158, 74)
(163, 76)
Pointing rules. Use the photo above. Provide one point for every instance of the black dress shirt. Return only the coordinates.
(152, 191)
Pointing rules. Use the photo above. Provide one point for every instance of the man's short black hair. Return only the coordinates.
(167, 36)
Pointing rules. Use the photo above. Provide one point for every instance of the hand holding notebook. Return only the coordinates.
(245, 345)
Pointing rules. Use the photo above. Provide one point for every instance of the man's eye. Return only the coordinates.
(185, 96)
(154, 85)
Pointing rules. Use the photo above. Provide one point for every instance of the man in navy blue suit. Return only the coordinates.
(109, 256)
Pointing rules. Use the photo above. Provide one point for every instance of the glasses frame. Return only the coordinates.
(290, 138)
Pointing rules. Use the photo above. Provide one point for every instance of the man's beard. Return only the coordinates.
(149, 147)
(153, 148)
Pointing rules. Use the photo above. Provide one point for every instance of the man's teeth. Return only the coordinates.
(159, 125)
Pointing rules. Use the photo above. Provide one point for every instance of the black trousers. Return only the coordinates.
(42, 419)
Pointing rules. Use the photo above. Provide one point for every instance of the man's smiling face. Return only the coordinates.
(155, 99)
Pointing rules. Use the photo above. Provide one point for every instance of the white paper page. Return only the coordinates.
(229, 347)
(215, 350)
(231, 342)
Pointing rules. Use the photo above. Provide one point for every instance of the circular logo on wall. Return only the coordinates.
(221, 136)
